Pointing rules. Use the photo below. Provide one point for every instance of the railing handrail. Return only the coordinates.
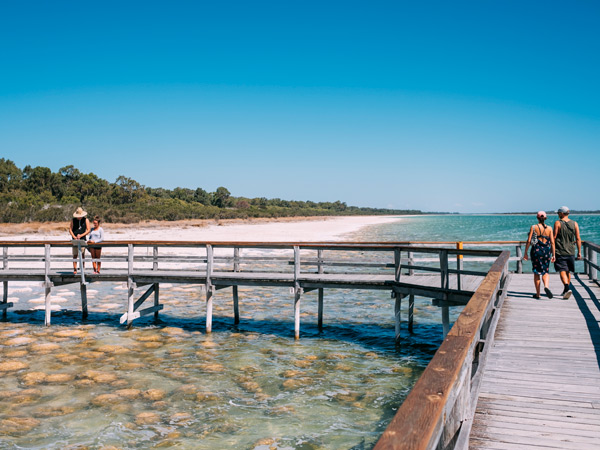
(431, 415)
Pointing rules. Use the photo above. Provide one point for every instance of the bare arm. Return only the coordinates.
(553, 247)
(71, 230)
(525, 257)
(578, 239)
(556, 228)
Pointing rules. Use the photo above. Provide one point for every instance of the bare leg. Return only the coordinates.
(546, 279)
(536, 282)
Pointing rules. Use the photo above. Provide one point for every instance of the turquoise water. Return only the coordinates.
(97, 385)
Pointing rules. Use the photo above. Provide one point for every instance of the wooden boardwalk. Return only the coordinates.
(541, 382)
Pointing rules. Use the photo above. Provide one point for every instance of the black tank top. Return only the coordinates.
(79, 226)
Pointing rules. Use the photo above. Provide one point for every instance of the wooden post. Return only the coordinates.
(594, 260)
(397, 264)
(519, 259)
(209, 290)
(156, 300)
(411, 309)
(397, 315)
(47, 286)
(445, 279)
(297, 292)
(130, 285)
(586, 258)
(446, 319)
(236, 303)
(320, 290)
(459, 265)
(5, 258)
(411, 261)
(155, 258)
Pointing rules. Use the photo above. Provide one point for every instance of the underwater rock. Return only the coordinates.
(181, 419)
(7, 394)
(91, 354)
(106, 399)
(207, 397)
(32, 378)
(71, 333)
(173, 331)
(16, 353)
(302, 363)
(147, 418)
(12, 366)
(60, 378)
(53, 411)
(149, 338)
(113, 349)
(151, 345)
(20, 340)
(295, 383)
(129, 393)
(44, 347)
(18, 425)
(66, 358)
(160, 405)
(212, 367)
(154, 394)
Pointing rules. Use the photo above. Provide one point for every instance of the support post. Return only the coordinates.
(130, 285)
(47, 286)
(156, 300)
(4, 258)
(209, 288)
(320, 291)
(445, 279)
(446, 320)
(236, 303)
(397, 264)
(5, 300)
(155, 258)
(297, 292)
(411, 310)
(459, 265)
(397, 315)
(586, 258)
(411, 262)
(80, 257)
(593, 256)
(519, 259)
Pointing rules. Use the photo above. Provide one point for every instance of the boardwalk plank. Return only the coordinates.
(541, 383)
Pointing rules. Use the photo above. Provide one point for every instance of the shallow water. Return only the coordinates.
(95, 384)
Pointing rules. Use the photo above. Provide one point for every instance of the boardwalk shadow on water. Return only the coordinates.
(590, 319)
(423, 343)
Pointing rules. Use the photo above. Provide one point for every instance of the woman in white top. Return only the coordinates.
(95, 237)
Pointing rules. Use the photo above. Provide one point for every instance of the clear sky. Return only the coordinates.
(481, 106)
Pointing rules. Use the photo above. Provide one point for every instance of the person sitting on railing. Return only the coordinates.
(543, 250)
(566, 233)
(96, 236)
(79, 228)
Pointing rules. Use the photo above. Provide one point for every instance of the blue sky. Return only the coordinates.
(482, 106)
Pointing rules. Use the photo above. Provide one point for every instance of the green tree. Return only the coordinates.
(221, 197)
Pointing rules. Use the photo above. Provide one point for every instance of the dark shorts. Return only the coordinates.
(564, 264)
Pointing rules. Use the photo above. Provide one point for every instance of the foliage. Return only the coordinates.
(38, 194)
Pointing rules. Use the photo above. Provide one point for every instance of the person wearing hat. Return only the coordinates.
(541, 240)
(79, 229)
(566, 235)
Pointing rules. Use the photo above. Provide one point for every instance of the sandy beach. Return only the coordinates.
(272, 230)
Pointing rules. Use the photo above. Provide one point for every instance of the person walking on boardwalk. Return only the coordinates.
(541, 240)
(566, 235)
(79, 229)
(96, 236)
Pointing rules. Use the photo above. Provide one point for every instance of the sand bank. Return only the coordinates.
(272, 230)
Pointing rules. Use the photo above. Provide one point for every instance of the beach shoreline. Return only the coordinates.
(320, 228)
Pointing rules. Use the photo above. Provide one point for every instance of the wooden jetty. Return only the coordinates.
(301, 267)
(513, 372)
(539, 382)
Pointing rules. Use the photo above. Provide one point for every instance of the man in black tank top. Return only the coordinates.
(566, 237)
(79, 228)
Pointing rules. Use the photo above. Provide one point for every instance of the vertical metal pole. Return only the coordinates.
(209, 290)
(155, 258)
(80, 256)
(519, 259)
(320, 291)
(411, 262)
(397, 264)
(593, 259)
(236, 303)
(5, 283)
(446, 319)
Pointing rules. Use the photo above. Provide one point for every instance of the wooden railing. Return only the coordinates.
(437, 413)
(590, 260)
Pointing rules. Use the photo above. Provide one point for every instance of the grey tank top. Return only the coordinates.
(565, 240)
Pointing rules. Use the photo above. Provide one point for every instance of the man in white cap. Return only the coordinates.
(79, 229)
(566, 236)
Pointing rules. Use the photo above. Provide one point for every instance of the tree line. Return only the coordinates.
(38, 194)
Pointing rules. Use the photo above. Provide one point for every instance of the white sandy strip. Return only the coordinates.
(325, 229)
